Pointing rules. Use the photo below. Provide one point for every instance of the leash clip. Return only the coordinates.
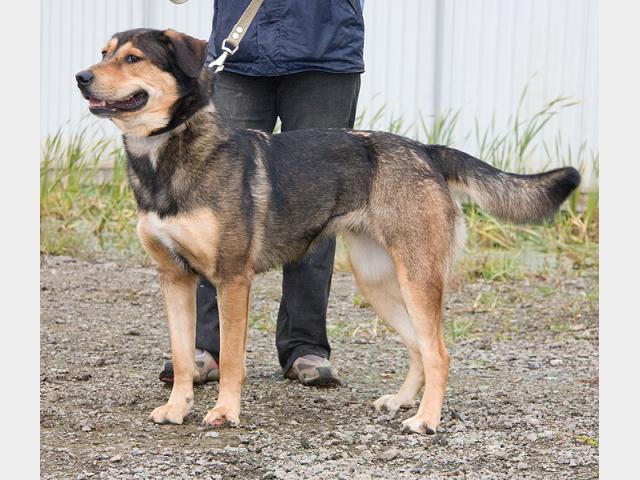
(236, 35)
(226, 53)
(219, 62)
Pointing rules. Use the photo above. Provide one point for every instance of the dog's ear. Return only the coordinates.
(190, 52)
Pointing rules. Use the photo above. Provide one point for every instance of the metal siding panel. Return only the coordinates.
(74, 31)
(486, 52)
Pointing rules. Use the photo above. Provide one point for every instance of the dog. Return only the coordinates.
(228, 204)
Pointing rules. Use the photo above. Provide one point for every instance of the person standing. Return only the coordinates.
(299, 61)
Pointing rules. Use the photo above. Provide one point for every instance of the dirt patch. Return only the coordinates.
(522, 400)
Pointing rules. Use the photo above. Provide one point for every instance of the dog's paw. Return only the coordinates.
(220, 416)
(391, 403)
(170, 413)
(417, 424)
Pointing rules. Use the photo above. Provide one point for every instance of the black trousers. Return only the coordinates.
(303, 100)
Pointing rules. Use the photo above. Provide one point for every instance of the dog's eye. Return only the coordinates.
(132, 59)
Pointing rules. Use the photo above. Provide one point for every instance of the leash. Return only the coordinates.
(232, 42)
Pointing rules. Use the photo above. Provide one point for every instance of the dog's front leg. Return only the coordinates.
(179, 292)
(233, 304)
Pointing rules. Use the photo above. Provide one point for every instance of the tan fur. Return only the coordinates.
(117, 80)
(233, 301)
(392, 202)
(423, 298)
(195, 236)
(110, 46)
(172, 33)
(179, 293)
(376, 277)
(178, 290)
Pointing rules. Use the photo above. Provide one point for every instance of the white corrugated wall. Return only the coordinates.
(73, 34)
(423, 57)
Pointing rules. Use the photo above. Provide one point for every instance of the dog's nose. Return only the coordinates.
(84, 78)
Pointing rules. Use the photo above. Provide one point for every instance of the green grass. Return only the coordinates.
(456, 329)
(262, 320)
(587, 440)
(84, 210)
(87, 212)
(360, 302)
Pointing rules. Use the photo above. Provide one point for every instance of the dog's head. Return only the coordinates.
(143, 77)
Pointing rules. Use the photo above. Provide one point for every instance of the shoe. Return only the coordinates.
(313, 370)
(206, 367)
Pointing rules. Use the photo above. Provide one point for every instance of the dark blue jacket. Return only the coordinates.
(290, 36)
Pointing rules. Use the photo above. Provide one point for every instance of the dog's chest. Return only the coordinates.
(148, 148)
(152, 171)
(193, 236)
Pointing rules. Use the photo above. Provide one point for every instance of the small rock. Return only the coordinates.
(532, 421)
(304, 442)
(555, 362)
(239, 450)
(212, 434)
(389, 455)
(54, 396)
(457, 416)
(136, 452)
(439, 439)
(86, 428)
(307, 459)
(523, 466)
(83, 377)
(345, 436)
(133, 333)
(116, 458)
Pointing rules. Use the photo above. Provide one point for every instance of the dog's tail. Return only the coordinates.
(508, 196)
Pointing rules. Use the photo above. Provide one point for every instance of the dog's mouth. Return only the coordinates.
(108, 107)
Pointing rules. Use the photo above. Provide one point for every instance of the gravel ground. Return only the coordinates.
(522, 400)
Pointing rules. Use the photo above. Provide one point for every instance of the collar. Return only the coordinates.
(184, 110)
(175, 122)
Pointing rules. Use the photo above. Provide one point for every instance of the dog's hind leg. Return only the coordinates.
(422, 283)
(233, 303)
(376, 277)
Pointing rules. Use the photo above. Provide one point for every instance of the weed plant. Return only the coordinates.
(87, 209)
